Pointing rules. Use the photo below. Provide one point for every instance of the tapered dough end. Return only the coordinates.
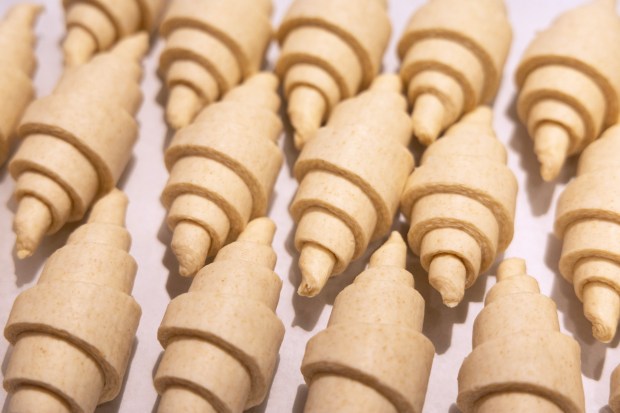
(601, 306)
(511, 267)
(78, 47)
(133, 48)
(110, 209)
(32, 221)
(190, 244)
(260, 231)
(180, 399)
(428, 118)
(29, 399)
(306, 110)
(611, 4)
(25, 14)
(391, 254)
(316, 265)
(388, 83)
(482, 115)
(448, 275)
(182, 107)
(551, 144)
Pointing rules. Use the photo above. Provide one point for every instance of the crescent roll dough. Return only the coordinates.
(521, 362)
(453, 53)
(76, 142)
(588, 220)
(351, 176)
(461, 205)
(223, 168)
(17, 66)
(373, 356)
(94, 26)
(72, 333)
(331, 50)
(569, 81)
(211, 46)
(222, 337)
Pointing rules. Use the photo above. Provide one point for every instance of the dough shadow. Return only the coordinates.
(592, 351)
(300, 399)
(439, 320)
(539, 193)
(288, 133)
(454, 409)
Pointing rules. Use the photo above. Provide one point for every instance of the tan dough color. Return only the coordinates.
(453, 53)
(223, 168)
(569, 81)
(331, 50)
(211, 46)
(588, 220)
(461, 205)
(373, 357)
(614, 394)
(17, 66)
(222, 337)
(351, 176)
(76, 142)
(521, 362)
(95, 26)
(73, 332)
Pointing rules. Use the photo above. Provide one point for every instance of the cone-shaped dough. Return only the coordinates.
(211, 46)
(453, 53)
(94, 26)
(588, 220)
(222, 170)
(17, 66)
(222, 337)
(331, 49)
(373, 356)
(461, 205)
(520, 361)
(569, 80)
(351, 176)
(73, 332)
(77, 142)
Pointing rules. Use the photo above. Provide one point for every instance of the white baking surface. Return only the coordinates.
(157, 281)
